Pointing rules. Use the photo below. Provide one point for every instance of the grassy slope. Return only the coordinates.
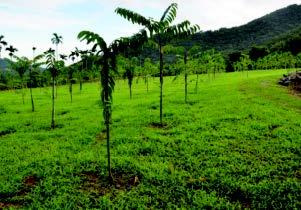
(236, 144)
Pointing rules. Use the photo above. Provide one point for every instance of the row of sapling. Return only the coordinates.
(274, 60)
(161, 32)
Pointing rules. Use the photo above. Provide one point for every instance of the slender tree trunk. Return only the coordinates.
(108, 151)
(107, 112)
(186, 75)
(130, 91)
(70, 90)
(81, 78)
(31, 96)
(53, 98)
(161, 83)
(56, 88)
(197, 83)
(147, 84)
(80, 82)
(30, 88)
(22, 90)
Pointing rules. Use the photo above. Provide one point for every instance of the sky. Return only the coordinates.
(28, 23)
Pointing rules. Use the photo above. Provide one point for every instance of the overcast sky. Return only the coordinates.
(28, 23)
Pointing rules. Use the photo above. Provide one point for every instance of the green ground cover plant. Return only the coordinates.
(236, 143)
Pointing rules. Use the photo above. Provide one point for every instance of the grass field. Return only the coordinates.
(236, 144)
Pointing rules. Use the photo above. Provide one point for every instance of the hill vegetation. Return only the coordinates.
(4, 63)
(256, 32)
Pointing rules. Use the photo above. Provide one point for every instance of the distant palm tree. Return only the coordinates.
(11, 51)
(106, 60)
(2, 43)
(63, 57)
(162, 32)
(56, 40)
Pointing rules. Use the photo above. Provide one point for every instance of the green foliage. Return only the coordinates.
(21, 66)
(106, 60)
(162, 32)
(257, 32)
(235, 146)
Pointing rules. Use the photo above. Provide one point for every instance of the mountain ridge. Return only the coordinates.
(255, 32)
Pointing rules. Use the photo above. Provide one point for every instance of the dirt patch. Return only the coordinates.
(16, 199)
(240, 196)
(97, 186)
(4, 205)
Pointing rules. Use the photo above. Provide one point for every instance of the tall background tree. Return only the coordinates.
(162, 32)
(33, 65)
(56, 40)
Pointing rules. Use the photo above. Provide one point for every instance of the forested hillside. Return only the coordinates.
(256, 32)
